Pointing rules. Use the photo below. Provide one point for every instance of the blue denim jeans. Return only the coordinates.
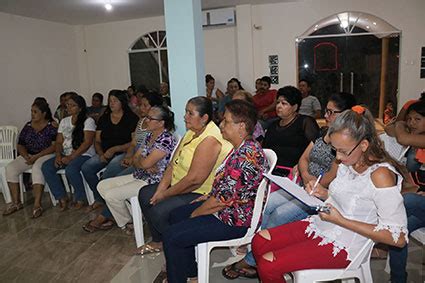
(157, 215)
(281, 209)
(72, 173)
(415, 209)
(94, 165)
(184, 233)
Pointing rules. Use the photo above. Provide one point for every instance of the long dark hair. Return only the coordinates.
(121, 95)
(43, 106)
(78, 132)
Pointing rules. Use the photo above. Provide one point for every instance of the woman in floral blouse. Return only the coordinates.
(227, 211)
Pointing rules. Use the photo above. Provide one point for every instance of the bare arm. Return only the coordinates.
(87, 142)
(150, 160)
(210, 206)
(203, 162)
(318, 114)
(405, 138)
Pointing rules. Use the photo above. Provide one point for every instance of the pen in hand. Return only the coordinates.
(316, 183)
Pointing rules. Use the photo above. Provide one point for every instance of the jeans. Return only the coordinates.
(184, 233)
(415, 209)
(157, 215)
(281, 209)
(72, 173)
(94, 165)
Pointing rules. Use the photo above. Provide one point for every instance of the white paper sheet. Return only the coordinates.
(295, 190)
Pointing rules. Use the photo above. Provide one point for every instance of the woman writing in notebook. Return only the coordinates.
(364, 201)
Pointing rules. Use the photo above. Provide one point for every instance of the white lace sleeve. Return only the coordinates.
(391, 212)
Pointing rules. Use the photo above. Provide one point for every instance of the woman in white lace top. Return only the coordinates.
(364, 201)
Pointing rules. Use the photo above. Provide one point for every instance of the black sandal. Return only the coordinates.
(37, 212)
(239, 272)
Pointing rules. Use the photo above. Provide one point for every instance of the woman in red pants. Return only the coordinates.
(364, 201)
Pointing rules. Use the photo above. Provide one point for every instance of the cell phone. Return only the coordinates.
(323, 208)
(283, 172)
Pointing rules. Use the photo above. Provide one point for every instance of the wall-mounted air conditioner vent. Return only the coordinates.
(219, 17)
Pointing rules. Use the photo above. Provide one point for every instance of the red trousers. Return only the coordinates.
(293, 250)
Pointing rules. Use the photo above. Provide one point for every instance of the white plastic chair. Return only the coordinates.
(136, 210)
(358, 268)
(46, 188)
(8, 152)
(204, 249)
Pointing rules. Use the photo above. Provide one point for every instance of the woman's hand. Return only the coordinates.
(158, 197)
(320, 192)
(108, 154)
(103, 159)
(66, 160)
(201, 198)
(31, 159)
(334, 216)
(58, 161)
(127, 161)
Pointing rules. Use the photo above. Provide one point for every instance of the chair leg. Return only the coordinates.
(22, 187)
(89, 192)
(203, 262)
(136, 211)
(5, 187)
(52, 197)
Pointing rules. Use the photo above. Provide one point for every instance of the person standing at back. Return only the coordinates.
(310, 105)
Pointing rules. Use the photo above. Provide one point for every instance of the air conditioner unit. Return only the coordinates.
(219, 17)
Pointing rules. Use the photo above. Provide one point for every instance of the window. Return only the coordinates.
(148, 60)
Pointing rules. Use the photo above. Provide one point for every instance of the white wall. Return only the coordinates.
(38, 58)
(242, 51)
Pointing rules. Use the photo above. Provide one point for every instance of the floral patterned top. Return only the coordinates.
(237, 180)
(34, 141)
(164, 142)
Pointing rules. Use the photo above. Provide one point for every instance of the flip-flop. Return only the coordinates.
(147, 249)
(37, 212)
(12, 208)
(240, 272)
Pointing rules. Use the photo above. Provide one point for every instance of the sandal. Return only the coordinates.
(37, 212)
(147, 249)
(129, 229)
(238, 272)
(90, 227)
(12, 208)
(94, 206)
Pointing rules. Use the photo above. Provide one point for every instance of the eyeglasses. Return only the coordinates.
(334, 150)
(153, 118)
(330, 112)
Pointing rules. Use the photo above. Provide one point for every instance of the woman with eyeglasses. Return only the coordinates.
(190, 173)
(318, 158)
(74, 146)
(150, 161)
(113, 138)
(364, 203)
(227, 211)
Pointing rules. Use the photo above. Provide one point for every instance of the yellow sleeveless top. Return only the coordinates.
(184, 155)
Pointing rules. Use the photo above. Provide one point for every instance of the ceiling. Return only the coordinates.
(86, 12)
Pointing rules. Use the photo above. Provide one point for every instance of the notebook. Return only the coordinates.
(295, 191)
(394, 149)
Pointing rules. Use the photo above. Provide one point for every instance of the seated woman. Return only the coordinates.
(148, 100)
(258, 133)
(227, 210)
(292, 133)
(74, 146)
(150, 160)
(282, 208)
(212, 92)
(233, 85)
(35, 146)
(411, 133)
(364, 201)
(190, 173)
(97, 108)
(113, 137)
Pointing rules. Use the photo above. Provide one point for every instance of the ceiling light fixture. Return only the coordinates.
(108, 7)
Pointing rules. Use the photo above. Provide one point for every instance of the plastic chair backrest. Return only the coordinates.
(362, 257)
(262, 191)
(8, 140)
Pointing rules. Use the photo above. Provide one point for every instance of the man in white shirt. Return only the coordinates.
(310, 105)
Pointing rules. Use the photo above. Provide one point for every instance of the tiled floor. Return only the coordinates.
(54, 248)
